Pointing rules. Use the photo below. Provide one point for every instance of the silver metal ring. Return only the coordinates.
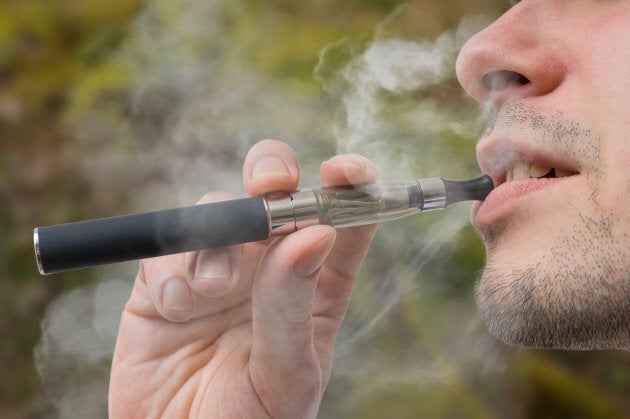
(433, 193)
(38, 255)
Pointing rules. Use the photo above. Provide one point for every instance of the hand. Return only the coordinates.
(245, 331)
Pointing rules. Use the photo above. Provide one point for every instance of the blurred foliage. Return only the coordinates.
(46, 50)
(77, 87)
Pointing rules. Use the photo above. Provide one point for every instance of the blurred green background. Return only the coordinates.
(128, 105)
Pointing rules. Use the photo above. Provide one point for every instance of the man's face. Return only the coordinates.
(557, 76)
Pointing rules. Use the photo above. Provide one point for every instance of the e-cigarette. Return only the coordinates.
(138, 236)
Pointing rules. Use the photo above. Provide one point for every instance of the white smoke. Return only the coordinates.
(388, 111)
(74, 355)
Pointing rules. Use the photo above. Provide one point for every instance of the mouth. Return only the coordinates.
(523, 170)
(522, 185)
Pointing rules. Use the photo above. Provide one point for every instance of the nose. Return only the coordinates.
(518, 56)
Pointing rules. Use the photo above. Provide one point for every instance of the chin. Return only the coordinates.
(545, 337)
(528, 308)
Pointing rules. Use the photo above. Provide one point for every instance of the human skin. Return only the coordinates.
(246, 331)
(555, 74)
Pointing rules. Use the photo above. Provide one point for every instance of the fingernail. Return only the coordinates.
(176, 295)
(355, 162)
(354, 167)
(213, 264)
(270, 166)
(348, 161)
(310, 262)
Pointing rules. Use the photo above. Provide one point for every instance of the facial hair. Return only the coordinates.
(577, 296)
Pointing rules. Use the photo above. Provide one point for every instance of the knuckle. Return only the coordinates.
(215, 272)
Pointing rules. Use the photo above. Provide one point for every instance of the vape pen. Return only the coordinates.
(138, 236)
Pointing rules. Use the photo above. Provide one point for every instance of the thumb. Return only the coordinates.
(284, 365)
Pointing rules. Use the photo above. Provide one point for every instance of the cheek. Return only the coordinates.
(614, 197)
(612, 184)
(598, 56)
(603, 88)
(620, 169)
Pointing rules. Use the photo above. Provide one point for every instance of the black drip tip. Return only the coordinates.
(467, 190)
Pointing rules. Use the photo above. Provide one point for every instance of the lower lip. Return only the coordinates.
(506, 198)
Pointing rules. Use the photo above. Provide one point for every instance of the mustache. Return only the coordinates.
(554, 124)
(551, 128)
(515, 113)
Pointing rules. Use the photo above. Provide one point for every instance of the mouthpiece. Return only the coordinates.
(138, 236)
(467, 190)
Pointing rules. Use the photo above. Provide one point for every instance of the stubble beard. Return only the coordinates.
(577, 295)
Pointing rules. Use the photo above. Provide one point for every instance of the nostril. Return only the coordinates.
(499, 80)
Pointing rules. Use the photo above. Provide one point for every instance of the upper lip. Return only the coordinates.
(497, 153)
